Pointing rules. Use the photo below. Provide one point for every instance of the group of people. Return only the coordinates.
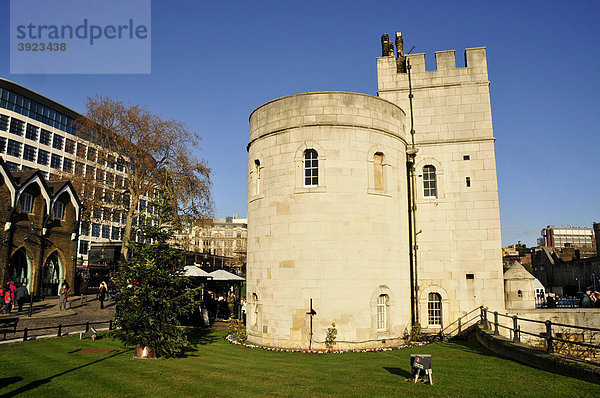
(11, 296)
(591, 299)
(217, 308)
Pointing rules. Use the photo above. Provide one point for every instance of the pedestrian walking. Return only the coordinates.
(231, 304)
(7, 299)
(13, 289)
(102, 294)
(244, 309)
(63, 296)
(21, 295)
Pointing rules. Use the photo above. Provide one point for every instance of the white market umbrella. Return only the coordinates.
(192, 270)
(222, 275)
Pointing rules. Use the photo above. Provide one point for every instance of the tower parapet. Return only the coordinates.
(446, 72)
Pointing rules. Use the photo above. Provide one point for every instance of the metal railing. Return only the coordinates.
(551, 335)
(26, 333)
(564, 302)
(460, 325)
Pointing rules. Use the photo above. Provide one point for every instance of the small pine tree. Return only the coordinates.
(330, 338)
(152, 291)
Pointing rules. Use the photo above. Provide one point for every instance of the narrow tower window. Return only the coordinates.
(429, 181)
(378, 171)
(256, 176)
(311, 168)
(382, 301)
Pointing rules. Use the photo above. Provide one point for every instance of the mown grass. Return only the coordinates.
(217, 369)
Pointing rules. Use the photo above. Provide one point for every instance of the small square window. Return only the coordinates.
(470, 276)
(466, 157)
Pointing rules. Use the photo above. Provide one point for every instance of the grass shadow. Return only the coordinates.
(471, 345)
(7, 381)
(36, 383)
(399, 372)
(201, 336)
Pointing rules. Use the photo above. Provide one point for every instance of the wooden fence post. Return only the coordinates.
(516, 338)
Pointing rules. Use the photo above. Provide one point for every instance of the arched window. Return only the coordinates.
(255, 310)
(429, 181)
(434, 309)
(256, 177)
(311, 168)
(382, 302)
(378, 171)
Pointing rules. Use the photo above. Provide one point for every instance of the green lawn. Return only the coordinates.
(217, 369)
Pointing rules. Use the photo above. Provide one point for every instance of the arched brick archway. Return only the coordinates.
(19, 268)
(53, 273)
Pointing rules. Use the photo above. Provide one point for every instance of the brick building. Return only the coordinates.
(38, 237)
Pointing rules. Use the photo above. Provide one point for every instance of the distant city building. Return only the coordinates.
(567, 237)
(568, 270)
(225, 237)
(518, 252)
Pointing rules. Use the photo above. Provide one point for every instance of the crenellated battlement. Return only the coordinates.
(446, 60)
(449, 102)
(393, 75)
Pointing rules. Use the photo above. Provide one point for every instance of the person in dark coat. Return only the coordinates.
(21, 295)
(102, 294)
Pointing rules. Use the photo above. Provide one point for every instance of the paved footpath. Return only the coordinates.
(46, 314)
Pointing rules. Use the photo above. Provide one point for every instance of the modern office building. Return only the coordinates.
(578, 237)
(37, 132)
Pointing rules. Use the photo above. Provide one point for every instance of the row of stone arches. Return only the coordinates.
(20, 270)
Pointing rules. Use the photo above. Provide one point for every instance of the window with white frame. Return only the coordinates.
(311, 168)
(434, 309)
(429, 181)
(382, 302)
(26, 202)
(59, 210)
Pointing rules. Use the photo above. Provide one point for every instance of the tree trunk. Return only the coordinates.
(144, 352)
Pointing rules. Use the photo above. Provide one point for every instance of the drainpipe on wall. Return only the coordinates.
(411, 154)
(9, 229)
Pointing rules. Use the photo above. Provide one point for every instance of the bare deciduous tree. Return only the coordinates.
(152, 152)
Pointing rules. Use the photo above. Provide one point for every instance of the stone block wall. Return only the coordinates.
(459, 244)
(342, 243)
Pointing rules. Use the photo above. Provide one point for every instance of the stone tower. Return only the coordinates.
(457, 218)
(375, 226)
(327, 221)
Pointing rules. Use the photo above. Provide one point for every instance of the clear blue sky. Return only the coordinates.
(214, 62)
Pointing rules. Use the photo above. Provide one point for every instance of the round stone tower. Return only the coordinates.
(327, 222)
